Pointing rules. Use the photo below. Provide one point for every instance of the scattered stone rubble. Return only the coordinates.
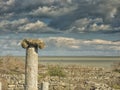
(77, 78)
(13, 81)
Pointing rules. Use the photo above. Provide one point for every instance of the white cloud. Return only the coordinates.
(69, 15)
(102, 42)
(90, 15)
(63, 42)
(6, 16)
(95, 27)
(87, 24)
(99, 41)
(113, 12)
(80, 44)
(33, 26)
(37, 26)
(6, 5)
(10, 2)
(52, 11)
(66, 44)
(24, 25)
(11, 25)
(101, 47)
(19, 22)
(109, 8)
(9, 44)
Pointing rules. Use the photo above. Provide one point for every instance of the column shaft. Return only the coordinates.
(31, 69)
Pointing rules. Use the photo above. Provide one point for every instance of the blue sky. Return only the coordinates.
(68, 27)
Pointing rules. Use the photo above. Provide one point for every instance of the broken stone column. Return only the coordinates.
(0, 86)
(31, 63)
(44, 86)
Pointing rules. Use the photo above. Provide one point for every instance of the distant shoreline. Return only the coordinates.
(96, 61)
(73, 57)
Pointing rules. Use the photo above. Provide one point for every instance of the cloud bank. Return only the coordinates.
(80, 44)
(63, 17)
(60, 15)
(64, 45)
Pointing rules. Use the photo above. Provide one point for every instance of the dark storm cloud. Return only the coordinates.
(28, 5)
(68, 15)
(108, 11)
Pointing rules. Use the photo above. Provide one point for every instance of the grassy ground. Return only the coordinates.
(16, 65)
(10, 64)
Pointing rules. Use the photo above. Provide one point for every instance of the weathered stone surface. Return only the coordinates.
(31, 69)
(31, 64)
(32, 42)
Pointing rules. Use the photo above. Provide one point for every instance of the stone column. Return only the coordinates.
(0, 86)
(31, 63)
(45, 86)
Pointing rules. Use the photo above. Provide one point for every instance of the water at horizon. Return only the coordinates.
(106, 62)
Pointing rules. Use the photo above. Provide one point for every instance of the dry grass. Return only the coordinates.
(10, 64)
(4, 83)
(116, 67)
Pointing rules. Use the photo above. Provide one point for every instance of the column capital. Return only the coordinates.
(32, 43)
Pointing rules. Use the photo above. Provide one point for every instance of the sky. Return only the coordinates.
(68, 27)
